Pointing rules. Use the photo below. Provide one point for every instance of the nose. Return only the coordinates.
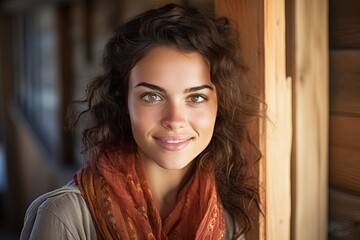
(174, 117)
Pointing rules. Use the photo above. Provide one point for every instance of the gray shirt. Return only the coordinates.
(63, 214)
(60, 214)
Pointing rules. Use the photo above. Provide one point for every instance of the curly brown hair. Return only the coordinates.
(231, 149)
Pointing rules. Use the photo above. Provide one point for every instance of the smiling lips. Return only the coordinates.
(173, 143)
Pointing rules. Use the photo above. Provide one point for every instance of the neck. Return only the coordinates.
(165, 185)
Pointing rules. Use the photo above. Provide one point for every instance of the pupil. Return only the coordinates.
(152, 97)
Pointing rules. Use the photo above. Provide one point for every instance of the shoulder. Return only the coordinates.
(62, 212)
(61, 201)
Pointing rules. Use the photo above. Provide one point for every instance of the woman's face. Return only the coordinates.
(172, 106)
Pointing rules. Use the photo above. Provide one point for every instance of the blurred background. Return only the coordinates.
(49, 49)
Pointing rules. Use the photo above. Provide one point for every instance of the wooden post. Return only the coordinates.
(308, 65)
(278, 136)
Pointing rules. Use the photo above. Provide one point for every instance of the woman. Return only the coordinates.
(169, 149)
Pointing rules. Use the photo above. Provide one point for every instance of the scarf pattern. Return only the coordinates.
(122, 205)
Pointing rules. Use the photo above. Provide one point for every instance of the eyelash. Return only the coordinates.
(188, 99)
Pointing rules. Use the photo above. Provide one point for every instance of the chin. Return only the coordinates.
(175, 165)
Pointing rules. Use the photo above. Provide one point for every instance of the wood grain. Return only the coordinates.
(344, 169)
(344, 28)
(344, 216)
(344, 159)
(345, 131)
(309, 65)
(278, 139)
(345, 81)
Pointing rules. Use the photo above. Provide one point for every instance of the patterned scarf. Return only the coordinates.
(123, 207)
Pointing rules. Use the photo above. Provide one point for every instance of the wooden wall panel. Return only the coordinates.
(346, 131)
(344, 216)
(344, 158)
(344, 30)
(344, 168)
(345, 81)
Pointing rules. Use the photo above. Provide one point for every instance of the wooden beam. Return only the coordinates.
(308, 66)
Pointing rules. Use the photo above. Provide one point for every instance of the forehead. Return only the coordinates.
(163, 64)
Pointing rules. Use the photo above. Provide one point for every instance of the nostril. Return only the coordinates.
(173, 124)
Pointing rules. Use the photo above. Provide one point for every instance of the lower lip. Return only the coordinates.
(173, 146)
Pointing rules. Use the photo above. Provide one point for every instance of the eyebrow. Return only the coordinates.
(160, 89)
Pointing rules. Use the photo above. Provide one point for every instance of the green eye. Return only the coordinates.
(151, 97)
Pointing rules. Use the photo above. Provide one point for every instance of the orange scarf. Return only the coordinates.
(122, 205)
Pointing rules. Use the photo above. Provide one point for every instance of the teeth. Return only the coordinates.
(174, 141)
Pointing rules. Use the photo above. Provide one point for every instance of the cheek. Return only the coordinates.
(141, 119)
(205, 121)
